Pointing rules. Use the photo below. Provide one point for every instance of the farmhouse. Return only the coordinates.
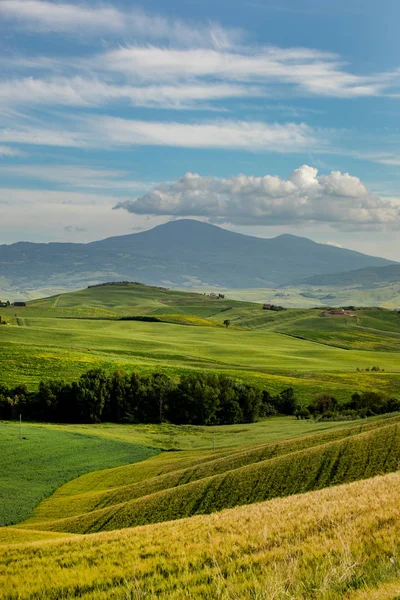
(19, 304)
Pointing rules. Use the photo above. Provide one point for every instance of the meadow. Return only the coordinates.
(38, 348)
(333, 544)
(33, 467)
(163, 489)
(71, 333)
(281, 508)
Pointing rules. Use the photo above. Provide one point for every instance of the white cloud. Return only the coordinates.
(338, 199)
(6, 151)
(38, 136)
(80, 92)
(111, 132)
(309, 71)
(77, 177)
(53, 16)
(74, 18)
(255, 136)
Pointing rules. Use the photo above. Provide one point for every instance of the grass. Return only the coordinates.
(337, 543)
(70, 333)
(161, 490)
(32, 468)
(192, 437)
(38, 348)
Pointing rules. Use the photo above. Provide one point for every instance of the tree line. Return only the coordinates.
(196, 399)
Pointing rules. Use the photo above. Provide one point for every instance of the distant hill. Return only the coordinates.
(184, 253)
(367, 278)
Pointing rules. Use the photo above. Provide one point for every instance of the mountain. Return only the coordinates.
(366, 278)
(184, 253)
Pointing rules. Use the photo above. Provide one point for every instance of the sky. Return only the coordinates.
(262, 116)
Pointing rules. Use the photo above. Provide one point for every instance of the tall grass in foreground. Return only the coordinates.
(336, 543)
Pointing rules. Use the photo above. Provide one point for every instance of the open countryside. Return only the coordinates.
(199, 300)
(118, 477)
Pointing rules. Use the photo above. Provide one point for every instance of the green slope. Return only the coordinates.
(243, 477)
(33, 467)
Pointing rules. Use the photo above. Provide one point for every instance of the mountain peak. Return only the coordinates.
(182, 253)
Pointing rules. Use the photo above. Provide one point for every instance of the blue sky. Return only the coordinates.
(262, 116)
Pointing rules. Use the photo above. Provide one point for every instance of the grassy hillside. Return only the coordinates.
(337, 543)
(367, 277)
(158, 491)
(369, 329)
(41, 348)
(275, 349)
(35, 466)
(197, 437)
(113, 301)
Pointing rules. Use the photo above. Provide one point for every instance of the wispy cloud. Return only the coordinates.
(6, 151)
(338, 199)
(306, 70)
(80, 92)
(39, 15)
(255, 136)
(100, 131)
(74, 176)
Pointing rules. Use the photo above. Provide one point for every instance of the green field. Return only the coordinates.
(339, 542)
(36, 348)
(35, 466)
(235, 511)
(189, 483)
(194, 437)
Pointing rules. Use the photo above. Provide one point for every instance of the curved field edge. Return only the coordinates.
(326, 545)
(106, 488)
(356, 457)
(33, 467)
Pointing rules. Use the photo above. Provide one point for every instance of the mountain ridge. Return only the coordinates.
(184, 253)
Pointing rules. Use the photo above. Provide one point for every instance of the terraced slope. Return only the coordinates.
(157, 491)
(333, 544)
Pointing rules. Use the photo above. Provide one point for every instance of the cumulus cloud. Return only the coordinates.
(338, 199)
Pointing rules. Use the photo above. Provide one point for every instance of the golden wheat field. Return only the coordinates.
(340, 542)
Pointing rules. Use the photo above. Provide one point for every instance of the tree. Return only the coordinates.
(92, 394)
(323, 403)
(286, 402)
(227, 322)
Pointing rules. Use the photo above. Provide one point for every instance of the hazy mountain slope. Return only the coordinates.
(178, 253)
(368, 277)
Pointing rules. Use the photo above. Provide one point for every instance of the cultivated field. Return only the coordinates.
(340, 542)
(277, 509)
(296, 348)
(33, 467)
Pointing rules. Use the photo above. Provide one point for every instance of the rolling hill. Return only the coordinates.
(183, 253)
(175, 332)
(332, 544)
(161, 490)
(312, 517)
(366, 278)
